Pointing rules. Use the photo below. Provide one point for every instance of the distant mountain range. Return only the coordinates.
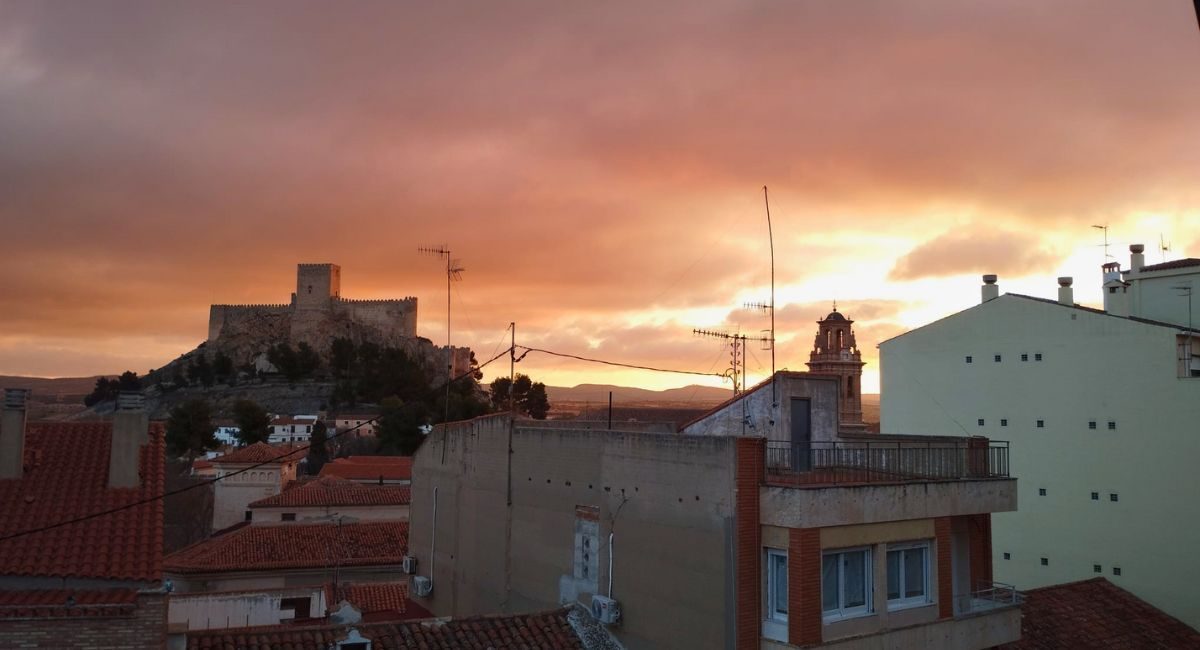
(44, 387)
(596, 393)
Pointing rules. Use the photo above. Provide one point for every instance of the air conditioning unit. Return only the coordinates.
(409, 565)
(422, 586)
(606, 610)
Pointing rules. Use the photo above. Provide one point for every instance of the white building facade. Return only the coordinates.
(1103, 412)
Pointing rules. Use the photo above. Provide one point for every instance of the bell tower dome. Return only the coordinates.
(836, 353)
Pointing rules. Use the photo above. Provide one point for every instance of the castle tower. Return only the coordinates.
(835, 353)
(316, 285)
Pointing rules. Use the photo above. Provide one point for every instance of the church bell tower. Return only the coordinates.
(835, 353)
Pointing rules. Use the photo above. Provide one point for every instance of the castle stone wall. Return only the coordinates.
(317, 284)
(398, 317)
(235, 317)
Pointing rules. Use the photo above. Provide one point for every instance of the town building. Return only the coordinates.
(835, 352)
(271, 556)
(248, 474)
(760, 525)
(1102, 407)
(227, 432)
(291, 429)
(383, 470)
(96, 582)
(330, 496)
(355, 425)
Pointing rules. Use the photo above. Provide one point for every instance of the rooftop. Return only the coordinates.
(294, 546)
(261, 452)
(337, 491)
(550, 630)
(1097, 614)
(370, 468)
(1173, 264)
(66, 477)
(67, 603)
(374, 600)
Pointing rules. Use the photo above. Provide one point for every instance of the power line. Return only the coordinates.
(297, 450)
(618, 364)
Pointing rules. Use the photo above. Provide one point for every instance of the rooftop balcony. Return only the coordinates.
(885, 459)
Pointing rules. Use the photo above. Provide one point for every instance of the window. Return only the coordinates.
(1112, 426)
(1024, 357)
(1041, 424)
(287, 516)
(980, 421)
(997, 358)
(1095, 496)
(1003, 422)
(301, 607)
(249, 515)
(908, 575)
(1045, 561)
(777, 585)
(1116, 570)
(1092, 424)
(846, 583)
(1008, 556)
(1096, 568)
(969, 359)
(1041, 492)
(1037, 356)
(1112, 497)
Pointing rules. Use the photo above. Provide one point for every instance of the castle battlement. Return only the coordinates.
(282, 305)
(376, 301)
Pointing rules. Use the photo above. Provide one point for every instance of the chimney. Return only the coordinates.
(1066, 295)
(12, 433)
(1136, 258)
(130, 430)
(990, 290)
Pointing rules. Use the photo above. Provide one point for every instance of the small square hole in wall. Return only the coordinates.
(969, 359)
(1041, 424)
(1045, 561)
(1095, 496)
(1096, 568)
(997, 358)
(1003, 422)
(980, 421)
(1024, 357)
(1112, 497)
(1041, 492)
(1037, 357)
(1116, 570)
(1092, 424)
(1112, 426)
(1008, 556)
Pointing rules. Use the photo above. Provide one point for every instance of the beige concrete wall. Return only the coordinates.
(766, 414)
(233, 495)
(668, 498)
(237, 609)
(843, 505)
(975, 631)
(1094, 368)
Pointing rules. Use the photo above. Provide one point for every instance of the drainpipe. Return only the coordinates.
(433, 538)
(610, 563)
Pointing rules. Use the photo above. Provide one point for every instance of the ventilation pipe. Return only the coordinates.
(12, 433)
(130, 430)
(1137, 258)
(990, 291)
(1066, 295)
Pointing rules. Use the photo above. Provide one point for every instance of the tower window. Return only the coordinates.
(1113, 497)
(1042, 492)
(1092, 424)
(1041, 424)
(310, 288)
(969, 359)
(1045, 561)
(1008, 556)
(997, 358)
(1116, 570)
(1095, 496)
(1024, 357)
(850, 389)
(1096, 568)
(980, 421)
(1112, 426)
(1003, 422)
(1037, 356)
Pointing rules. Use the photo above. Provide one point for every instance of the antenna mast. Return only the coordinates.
(769, 340)
(453, 273)
(1105, 229)
(737, 344)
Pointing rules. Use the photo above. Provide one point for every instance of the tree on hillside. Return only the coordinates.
(528, 397)
(105, 389)
(399, 425)
(190, 429)
(254, 424)
(341, 357)
(318, 449)
(223, 367)
(307, 359)
(129, 380)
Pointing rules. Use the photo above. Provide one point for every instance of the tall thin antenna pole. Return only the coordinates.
(771, 239)
(512, 366)
(453, 272)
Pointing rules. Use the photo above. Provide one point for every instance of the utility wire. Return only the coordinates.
(618, 364)
(211, 481)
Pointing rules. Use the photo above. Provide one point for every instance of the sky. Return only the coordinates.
(596, 167)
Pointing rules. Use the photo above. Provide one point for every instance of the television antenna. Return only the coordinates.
(1164, 247)
(1105, 244)
(769, 307)
(454, 272)
(737, 345)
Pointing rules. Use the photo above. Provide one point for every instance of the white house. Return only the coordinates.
(1103, 411)
(291, 428)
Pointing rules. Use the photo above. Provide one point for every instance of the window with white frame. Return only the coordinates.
(777, 585)
(907, 574)
(846, 583)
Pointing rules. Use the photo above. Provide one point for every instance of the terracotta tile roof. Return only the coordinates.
(67, 603)
(370, 468)
(334, 491)
(1097, 614)
(261, 452)
(66, 476)
(372, 598)
(1173, 264)
(294, 546)
(539, 631)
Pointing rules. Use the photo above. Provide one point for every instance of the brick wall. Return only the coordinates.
(145, 629)
(804, 586)
(980, 531)
(941, 529)
(750, 459)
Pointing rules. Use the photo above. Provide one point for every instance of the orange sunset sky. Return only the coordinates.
(596, 166)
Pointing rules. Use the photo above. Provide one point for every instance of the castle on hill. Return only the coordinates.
(317, 303)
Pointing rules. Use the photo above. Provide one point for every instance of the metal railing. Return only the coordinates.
(987, 596)
(884, 460)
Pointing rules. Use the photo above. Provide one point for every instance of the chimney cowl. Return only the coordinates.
(1137, 248)
(14, 398)
(990, 278)
(1065, 281)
